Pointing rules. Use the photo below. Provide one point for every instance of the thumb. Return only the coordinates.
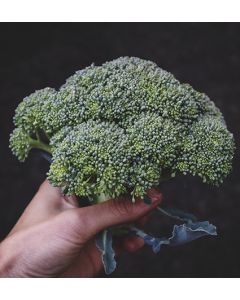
(95, 218)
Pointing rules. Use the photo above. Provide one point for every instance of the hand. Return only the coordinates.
(55, 238)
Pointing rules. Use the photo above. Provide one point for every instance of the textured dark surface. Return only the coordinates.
(33, 56)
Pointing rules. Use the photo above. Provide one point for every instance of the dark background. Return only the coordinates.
(33, 56)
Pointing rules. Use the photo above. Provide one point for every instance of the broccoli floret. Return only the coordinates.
(122, 128)
(99, 150)
(157, 141)
(207, 150)
(21, 143)
(32, 113)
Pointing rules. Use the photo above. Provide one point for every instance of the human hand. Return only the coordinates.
(56, 238)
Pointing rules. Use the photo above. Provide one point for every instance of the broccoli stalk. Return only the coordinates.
(38, 144)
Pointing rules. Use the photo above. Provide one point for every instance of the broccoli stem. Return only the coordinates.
(102, 197)
(47, 135)
(40, 145)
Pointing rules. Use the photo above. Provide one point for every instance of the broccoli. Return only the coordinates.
(123, 127)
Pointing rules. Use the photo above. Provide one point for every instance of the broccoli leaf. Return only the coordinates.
(177, 214)
(188, 232)
(104, 244)
(181, 234)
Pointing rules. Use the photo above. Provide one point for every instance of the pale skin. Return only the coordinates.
(54, 237)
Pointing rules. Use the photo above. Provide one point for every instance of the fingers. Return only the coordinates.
(89, 261)
(133, 243)
(47, 203)
(52, 196)
(154, 193)
(87, 264)
(143, 220)
(48, 191)
(90, 220)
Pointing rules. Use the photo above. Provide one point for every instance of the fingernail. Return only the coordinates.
(147, 200)
(155, 194)
(152, 199)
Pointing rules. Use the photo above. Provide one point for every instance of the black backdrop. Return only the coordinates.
(33, 56)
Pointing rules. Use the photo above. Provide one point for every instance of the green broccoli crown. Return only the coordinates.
(121, 128)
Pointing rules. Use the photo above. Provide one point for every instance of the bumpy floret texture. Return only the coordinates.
(20, 144)
(121, 128)
(99, 150)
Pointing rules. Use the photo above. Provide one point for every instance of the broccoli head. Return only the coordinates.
(123, 127)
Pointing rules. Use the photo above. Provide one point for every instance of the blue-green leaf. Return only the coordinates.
(181, 234)
(177, 214)
(104, 244)
(188, 232)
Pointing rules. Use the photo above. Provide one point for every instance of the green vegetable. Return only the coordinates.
(121, 128)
